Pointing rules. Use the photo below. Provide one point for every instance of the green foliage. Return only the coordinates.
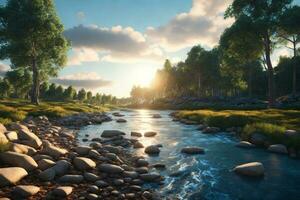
(81, 94)
(228, 121)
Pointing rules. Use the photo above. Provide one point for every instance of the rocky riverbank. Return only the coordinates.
(40, 159)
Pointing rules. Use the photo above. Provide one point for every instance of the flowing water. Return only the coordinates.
(206, 176)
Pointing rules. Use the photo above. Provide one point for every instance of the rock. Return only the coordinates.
(62, 191)
(112, 133)
(67, 134)
(61, 167)
(201, 127)
(101, 183)
(291, 133)
(44, 164)
(211, 130)
(112, 149)
(21, 148)
(138, 145)
(121, 120)
(156, 116)
(2, 128)
(254, 169)
(110, 168)
(142, 170)
(159, 166)
(29, 138)
(130, 174)
(90, 177)
(25, 190)
(41, 156)
(11, 135)
(91, 196)
(192, 150)
(93, 189)
(153, 149)
(151, 177)
(94, 154)
(258, 139)
(18, 160)
(47, 175)
(142, 162)
(245, 144)
(136, 134)
(82, 163)
(278, 148)
(150, 134)
(52, 150)
(118, 182)
(11, 175)
(3, 138)
(74, 179)
(83, 150)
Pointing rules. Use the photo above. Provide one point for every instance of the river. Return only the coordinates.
(206, 176)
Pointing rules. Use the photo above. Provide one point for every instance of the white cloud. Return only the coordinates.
(203, 24)
(81, 55)
(119, 44)
(89, 80)
(3, 69)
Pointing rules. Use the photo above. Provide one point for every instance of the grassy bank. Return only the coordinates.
(269, 122)
(16, 109)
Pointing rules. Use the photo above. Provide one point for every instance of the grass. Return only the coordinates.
(290, 119)
(12, 110)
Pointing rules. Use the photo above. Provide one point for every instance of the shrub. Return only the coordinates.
(228, 121)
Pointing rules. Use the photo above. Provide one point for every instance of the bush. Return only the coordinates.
(228, 121)
(274, 132)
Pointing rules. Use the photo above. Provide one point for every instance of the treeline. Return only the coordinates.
(18, 84)
(240, 65)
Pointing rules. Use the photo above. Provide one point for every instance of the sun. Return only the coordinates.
(143, 76)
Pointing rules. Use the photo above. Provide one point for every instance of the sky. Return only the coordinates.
(120, 43)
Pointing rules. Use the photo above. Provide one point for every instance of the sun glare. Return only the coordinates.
(143, 76)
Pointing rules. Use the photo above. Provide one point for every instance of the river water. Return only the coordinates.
(206, 176)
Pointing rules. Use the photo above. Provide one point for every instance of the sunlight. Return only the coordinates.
(143, 76)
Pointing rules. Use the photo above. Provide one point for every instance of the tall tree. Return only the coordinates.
(32, 38)
(265, 16)
(21, 81)
(81, 95)
(290, 32)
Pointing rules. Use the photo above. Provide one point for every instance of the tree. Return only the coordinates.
(290, 32)
(44, 89)
(69, 93)
(51, 93)
(265, 16)
(21, 81)
(81, 95)
(32, 38)
(89, 95)
(59, 93)
(5, 87)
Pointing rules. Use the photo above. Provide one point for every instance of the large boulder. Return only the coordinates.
(27, 137)
(47, 175)
(11, 175)
(278, 148)
(82, 163)
(112, 133)
(25, 191)
(192, 150)
(61, 167)
(254, 169)
(153, 149)
(52, 150)
(110, 168)
(150, 134)
(18, 160)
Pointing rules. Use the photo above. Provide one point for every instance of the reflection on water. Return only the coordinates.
(207, 176)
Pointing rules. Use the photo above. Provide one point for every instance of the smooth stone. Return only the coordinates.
(18, 160)
(29, 138)
(11, 175)
(70, 178)
(111, 133)
(101, 183)
(53, 151)
(131, 174)
(23, 149)
(25, 190)
(61, 167)
(91, 196)
(94, 154)
(93, 189)
(110, 168)
(142, 170)
(250, 169)
(150, 134)
(44, 164)
(3, 138)
(90, 177)
(159, 166)
(118, 182)
(153, 149)
(150, 177)
(136, 134)
(138, 145)
(83, 150)
(192, 150)
(258, 139)
(47, 175)
(121, 120)
(278, 148)
(156, 116)
(62, 191)
(82, 163)
(11, 135)
(2, 128)
(142, 162)
(245, 144)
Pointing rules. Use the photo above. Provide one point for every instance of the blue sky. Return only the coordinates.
(120, 43)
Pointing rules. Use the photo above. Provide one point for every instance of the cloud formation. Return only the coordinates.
(116, 43)
(90, 80)
(3, 69)
(203, 24)
(81, 55)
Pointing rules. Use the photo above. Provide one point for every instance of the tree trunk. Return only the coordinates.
(271, 94)
(294, 69)
(36, 83)
(250, 83)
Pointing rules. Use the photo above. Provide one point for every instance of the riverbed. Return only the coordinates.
(206, 176)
